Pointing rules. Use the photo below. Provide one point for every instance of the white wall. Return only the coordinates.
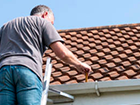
(106, 98)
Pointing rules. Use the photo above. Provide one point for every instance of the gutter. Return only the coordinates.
(98, 87)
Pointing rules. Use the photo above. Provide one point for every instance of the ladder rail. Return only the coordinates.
(46, 82)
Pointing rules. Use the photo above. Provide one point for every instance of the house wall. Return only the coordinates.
(106, 98)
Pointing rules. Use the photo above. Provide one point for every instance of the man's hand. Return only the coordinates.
(83, 68)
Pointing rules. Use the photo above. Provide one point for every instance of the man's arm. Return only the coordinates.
(68, 57)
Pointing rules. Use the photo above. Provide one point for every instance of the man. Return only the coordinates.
(22, 43)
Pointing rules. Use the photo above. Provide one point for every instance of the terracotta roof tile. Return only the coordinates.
(56, 74)
(105, 30)
(138, 35)
(72, 73)
(123, 56)
(137, 54)
(135, 67)
(122, 39)
(65, 69)
(119, 69)
(119, 34)
(88, 62)
(79, 52)
(132, 59)
(73, 33)
(110, 41)
(102, 61)
(110, 65)
(108, 57)
(86, 48)
(123, 32)
(112, 46)
(95, 66)
(130, 73)
(80, 77)
(127, 28)
(64, 78)
(78, 36)
(87, 55)
(104, 44)
(71, 82)
(117, 43)
(90, 35)
(106, 79)
(106, 50)
(103, 38)
(112, 52)
(94, 31)
(99, 47)
(137, 77)
(83, 32)
(122, 77)
(131, 33)
(113, 74)
(125, 45)
(94, 58)
(134, 38)
(133, 47)
(92, 45)
(81, 59)
(104, 70)
(126, 63)
(93, 51)
(108, 36)
(59, 65)
(96, 76)
(119, 49)
(79, 46)
(128, 51)
(137, 44)
(55, 83)
(117, 60)
(96, 37)
(100, 54)
(137, 27)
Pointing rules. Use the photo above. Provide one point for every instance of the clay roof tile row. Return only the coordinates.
(112, 52)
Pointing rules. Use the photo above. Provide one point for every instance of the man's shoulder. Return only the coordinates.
(38, 20)
(33, 18)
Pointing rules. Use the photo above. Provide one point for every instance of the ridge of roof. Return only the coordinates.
(100, 27)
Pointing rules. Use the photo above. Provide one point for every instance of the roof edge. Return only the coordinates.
(102, 86)
(99, 27)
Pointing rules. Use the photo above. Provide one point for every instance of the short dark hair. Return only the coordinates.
(40, 9)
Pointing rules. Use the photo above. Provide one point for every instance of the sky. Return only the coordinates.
(71, 14)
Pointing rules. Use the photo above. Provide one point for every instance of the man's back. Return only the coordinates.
(23, 42)
(21, 36)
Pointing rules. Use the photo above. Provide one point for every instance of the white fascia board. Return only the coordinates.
(102, 86)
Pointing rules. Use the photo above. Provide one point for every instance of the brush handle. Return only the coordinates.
(86, 75)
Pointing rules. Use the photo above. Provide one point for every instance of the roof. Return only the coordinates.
(113, 52)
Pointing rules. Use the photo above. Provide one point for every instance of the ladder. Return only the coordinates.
(46, 82)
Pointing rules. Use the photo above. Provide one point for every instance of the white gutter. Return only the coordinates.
(98, 87)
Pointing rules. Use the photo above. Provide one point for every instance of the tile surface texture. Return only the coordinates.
(113, 52)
